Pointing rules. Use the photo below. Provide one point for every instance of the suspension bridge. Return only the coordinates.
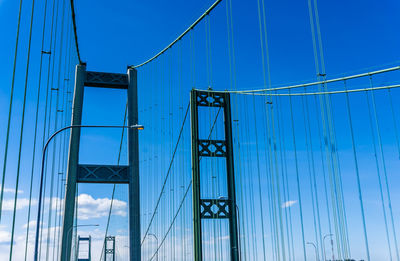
(247, 133)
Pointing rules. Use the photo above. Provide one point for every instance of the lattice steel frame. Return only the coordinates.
(80, 239)
(103, 174)
(109, 251)
(213, 208)
(77, 173)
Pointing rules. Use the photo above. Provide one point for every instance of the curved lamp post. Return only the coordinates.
(153, 235)
(323, 243)
(316, 251)
(136, 126)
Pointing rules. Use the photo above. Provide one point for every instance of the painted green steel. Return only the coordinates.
(133, 173)
(221, 99)
(116, 81)
(233, 229)
(195, 177)
(81, 239)
(73, 159)
(109, 251)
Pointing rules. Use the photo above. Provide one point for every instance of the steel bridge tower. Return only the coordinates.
(109, 251)
(213, 208)
(89, 256)
(78, 173)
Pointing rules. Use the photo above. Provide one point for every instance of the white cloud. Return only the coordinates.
(19, 243)
(8, 204)
(32, 224)
(11, 190)
(5, 237)
(55, 203)
(88, 207)
(289, 203)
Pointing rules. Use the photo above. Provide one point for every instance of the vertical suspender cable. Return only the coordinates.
(114, 186)
(10, 110)
(378, 172)
(357, 175)
(314, 175)
(321, 51)
(289, 226)
(52, 53)
(325, 109)
(55, 127)
(297, 177)
(61, 155)
(232, 70)
(259, 180)
(265, 82)
(35, 131)
(384, 171)
(311, 170)
(248, 157)
(396, 133)
(323, 174)
(270, 114)
(233, 82)
(21, 131)
(67, 109)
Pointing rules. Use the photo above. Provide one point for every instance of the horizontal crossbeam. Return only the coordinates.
(106, 80)
(108, 174)
(212, 148)
(214, 208)
(210, 99)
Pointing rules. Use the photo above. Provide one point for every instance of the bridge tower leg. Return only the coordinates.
(72, 170)
(133, 176)
(213, 208)
(107, 174)
(109, 251)
(89, 256)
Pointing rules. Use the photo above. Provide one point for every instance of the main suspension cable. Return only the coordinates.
(386, 87)
(181, 35)
(75, 31)
(350, 77)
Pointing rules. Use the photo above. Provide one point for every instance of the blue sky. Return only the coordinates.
(357, 36)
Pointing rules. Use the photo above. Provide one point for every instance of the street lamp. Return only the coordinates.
(70, 230)
(136, 127)
(323, 244)
(316, 251)
(151, 234)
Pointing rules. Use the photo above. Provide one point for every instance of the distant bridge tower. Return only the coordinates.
(89, 254)
(109, 248)
(221, 208)
(78, 173)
